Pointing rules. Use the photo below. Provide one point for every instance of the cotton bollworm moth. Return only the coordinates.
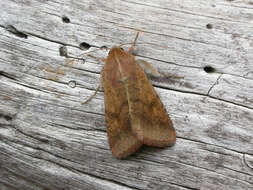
(135, 114)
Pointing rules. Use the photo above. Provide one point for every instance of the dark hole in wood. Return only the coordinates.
(84, 46)
(209, 69)
(72, 84)
(63, 51)
(7, 117)
(14, 31)
(65, 19)
(209, 26)
(104, 47)
(7, 75)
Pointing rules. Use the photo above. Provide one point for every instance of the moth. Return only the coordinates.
(135, 115)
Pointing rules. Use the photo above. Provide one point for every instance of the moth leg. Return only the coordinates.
(77, 57)
(131, 49)
(146, 66)
(101, 84)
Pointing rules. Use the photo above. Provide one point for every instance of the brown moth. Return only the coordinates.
(135, 114)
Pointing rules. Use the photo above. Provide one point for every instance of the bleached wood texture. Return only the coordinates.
(49, 140)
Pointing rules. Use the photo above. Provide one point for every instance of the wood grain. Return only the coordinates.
(49, 140)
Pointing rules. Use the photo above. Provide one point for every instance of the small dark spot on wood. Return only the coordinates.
(188, 85)
(7, 98)
(14, 31)
(209, 26)
(63, 51)
(246, 115)
(84, 46)
(60, 144)
(209, 69)
(217, 132)
(186, 118)
(72, 84)
(65, 19)
(43, 140)
(235, 36)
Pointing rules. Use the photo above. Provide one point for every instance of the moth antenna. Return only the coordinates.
(87, 53)
(131, 49)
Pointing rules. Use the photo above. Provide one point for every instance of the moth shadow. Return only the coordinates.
(151, 149)
(146, 150)
(162, 79)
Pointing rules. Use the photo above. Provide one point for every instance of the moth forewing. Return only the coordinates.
(134, 112)
(151, 122)
(118, 65)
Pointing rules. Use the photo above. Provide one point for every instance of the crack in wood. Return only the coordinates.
(218, 172)
(216, 82)
(245, 161)
(183, 186)
(7, 75)
(210, 170)
(239, 172)
(215, 145)
(16, 32)
(216, 152)
(201, 94)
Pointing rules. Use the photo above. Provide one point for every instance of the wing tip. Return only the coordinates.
(121, 154)
(167, 141)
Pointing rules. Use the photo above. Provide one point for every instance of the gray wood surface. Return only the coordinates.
(49, 140)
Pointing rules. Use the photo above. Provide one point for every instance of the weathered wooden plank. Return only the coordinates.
(227, 47)
(48, 140)
(78, 144)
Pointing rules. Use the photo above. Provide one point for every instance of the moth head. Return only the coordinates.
(116, 49)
